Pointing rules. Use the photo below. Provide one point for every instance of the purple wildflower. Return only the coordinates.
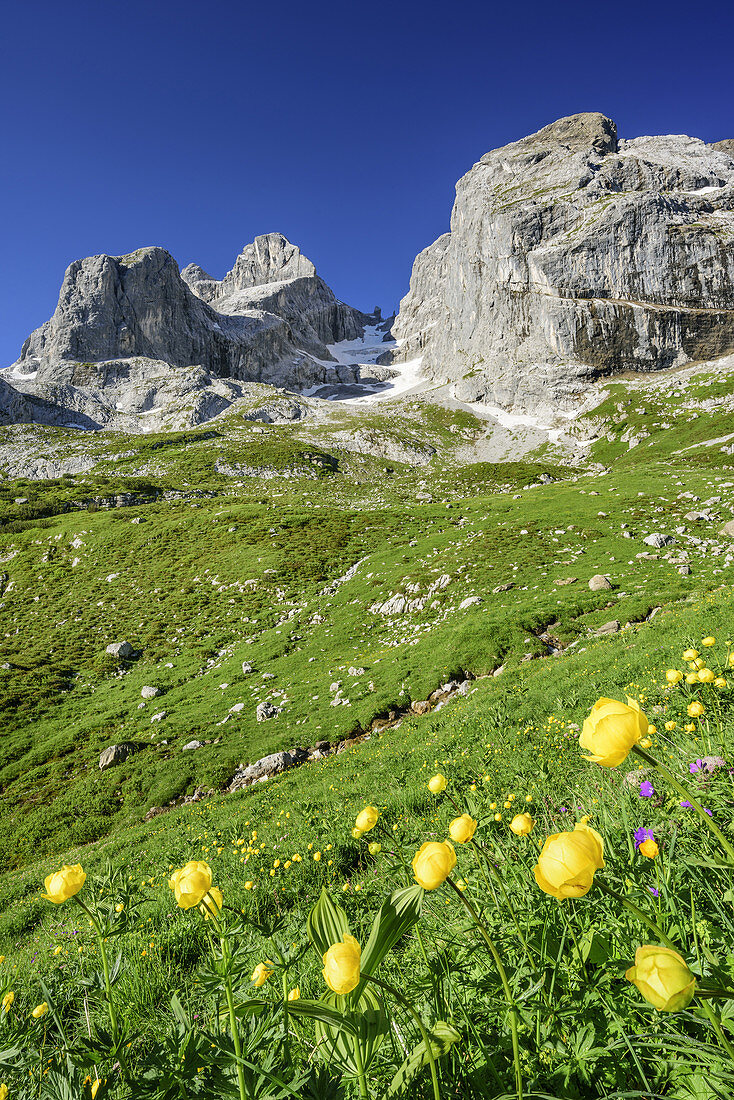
(655, 893)
(641, 835)
(686, 805)
(706, 810)
(696, 766)
(646, 789)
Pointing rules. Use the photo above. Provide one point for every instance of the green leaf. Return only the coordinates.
(370, 1023)
(398, 914)
(442, 1038)
(317, 1010)
(326, 924)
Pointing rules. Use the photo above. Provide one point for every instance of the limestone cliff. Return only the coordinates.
(574, 255)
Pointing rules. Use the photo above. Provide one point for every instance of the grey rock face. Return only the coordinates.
(149, 692)
(266, 710)
(131, 337)
(574, 255)
(117, 754)
(268, 766)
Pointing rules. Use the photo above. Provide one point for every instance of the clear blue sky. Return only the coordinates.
(197, 126)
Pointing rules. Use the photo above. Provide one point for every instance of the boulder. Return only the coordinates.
(658, 540)
(120, 649)
(266, 710)
(267, 767)
(609, 628)
(149, 692)
(193, 745)
(599, 582)
(420, 706)
(728, 529)
(117, 754)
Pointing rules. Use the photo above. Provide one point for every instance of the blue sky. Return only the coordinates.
(344, 126)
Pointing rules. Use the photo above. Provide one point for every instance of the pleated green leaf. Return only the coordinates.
(326, 924)
(442, 1038)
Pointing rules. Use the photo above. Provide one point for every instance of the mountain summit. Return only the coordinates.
(572, 255)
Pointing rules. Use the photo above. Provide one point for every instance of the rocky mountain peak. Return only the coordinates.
(590, 130)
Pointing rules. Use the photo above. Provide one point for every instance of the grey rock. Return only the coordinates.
(599, 582)
(192, 745)
(657, 540)
(728, 529)
(609, 628)
(149, 692)
(120, 649)
(266, 767)
(267, 710)
(420, 706)
(697, 517)
(117, 754)
(470, 601)
(247, 668)
(573, 255)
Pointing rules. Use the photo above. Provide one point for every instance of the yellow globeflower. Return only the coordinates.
(670, 725)
(731, 659)
(295, 993)
(356, 833)
(521, 824)
(374, 848)
(341, 965)
(7, 1001)
(261, 973)
(662, 977)
(191, 883)
(367, 819)
(63, 884)
(566, 865)
(95, 1087)
(4, 1093)
(437, 783)
(708, 642)
(706, 676)
(611, 729)
(211, 903)
(695, 710)
(699, 663)
(58, 949)
(720, 682)
(649, 848)
(690, 655)
(646, 742)
(433, 863)
(673, 676)
(40, 1010)
(692, 678)
(462, 829)
(651, 730)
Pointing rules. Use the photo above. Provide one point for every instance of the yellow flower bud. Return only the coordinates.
(63, 884)
(611, 729)
(4, 1092)
(119, 907)
(521, 824)
(261, 973)
(7, 1001)
(295, 993)
(690, 655)
(695, 710)
(367, 819)
(646, 742)
(341, 965)
(462, 829)
(374, 848)
(720, 682)
(356, 833)
(699, 663)
(651, 729)
(708, 642)
(706, 676)
(566, 865)
(437, 783)
(662, 977)
(40, 1010)
(191, 883)
(649, 848)
(673, 676)
(433, 863)
(95, 1087)
(58, 949)
(211, 903)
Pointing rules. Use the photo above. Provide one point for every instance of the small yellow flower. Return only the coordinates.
(611, 729)
(342, 965)
(295, 993)
(58, 949)
(356, 833)
(690, 655)
(437, 783)
(249, 884)
(670, 725)
(706, 676)
(433, 863)
(720, 682)
(649, 848)
(7, 1001)
(462, 829)
(695, 710)
(261, 973)
(663, 978)
(317, 856)
(4, 1092)
(40, 1010)
(119, 907)
(367, 819)
(651, 730)
(521, 824)
(673, 676)
(374, 848)
(708, 642)
(568, 861)
(64, 884)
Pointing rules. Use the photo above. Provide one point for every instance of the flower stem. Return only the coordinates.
(363, 1090)
(503, 978)
(107, 980)
(421, 1026)
(683, 790)
(498, 877)
(638, 913)
(227, 958)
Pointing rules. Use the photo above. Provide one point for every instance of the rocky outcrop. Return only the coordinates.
(574, 255)
(130, 337)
